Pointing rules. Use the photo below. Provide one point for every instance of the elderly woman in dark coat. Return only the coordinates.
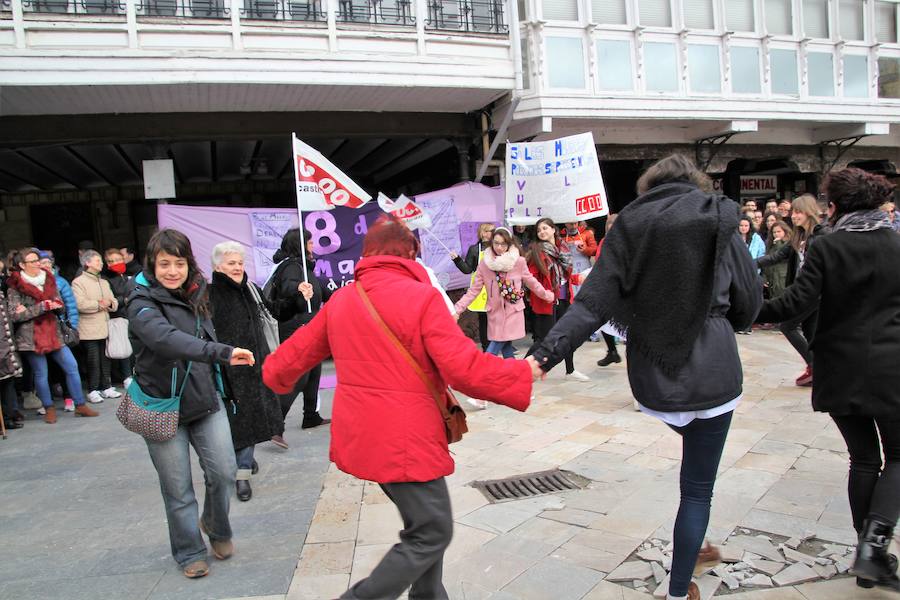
(852, 274)
(256, 414)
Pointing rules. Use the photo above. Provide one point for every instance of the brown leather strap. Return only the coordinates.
(439, 398)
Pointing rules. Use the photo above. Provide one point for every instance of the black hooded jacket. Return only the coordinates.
(163, 332)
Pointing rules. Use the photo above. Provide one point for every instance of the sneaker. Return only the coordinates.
(111, 392)
(42, 411)
(475, 404)
(805, 379)
(70, 405)
(578, 376)
(95, 397)
(127, 383)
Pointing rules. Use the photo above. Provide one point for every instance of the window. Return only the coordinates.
(526, 64)
(886, 22)
(784, 72)
(565, 60)
(851, 14)
(703, 69)
(661, 67)
(655, 13)
(820, 73)
(614, 65)
(560, 10)
(815, 18)
(778, 17)
(609, 12)
(745, 70)
(523, 9)
(856, 76)
(698, 14)
(888, 77)
(739, 15)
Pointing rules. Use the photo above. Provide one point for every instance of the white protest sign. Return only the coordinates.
(320, 184)
(559, 179)
(406, 210)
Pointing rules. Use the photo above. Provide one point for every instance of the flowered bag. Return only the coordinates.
(155, 419)
(507, 290)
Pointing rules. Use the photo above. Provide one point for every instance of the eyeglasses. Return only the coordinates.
(31, 262)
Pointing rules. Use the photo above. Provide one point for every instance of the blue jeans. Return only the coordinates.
(504, 348)
(702, 443)
(63, 357)
(244, 457)
(211, 439)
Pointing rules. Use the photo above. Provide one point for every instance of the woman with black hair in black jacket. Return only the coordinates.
(297, 301)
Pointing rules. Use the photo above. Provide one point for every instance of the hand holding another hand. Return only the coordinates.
(241, 356)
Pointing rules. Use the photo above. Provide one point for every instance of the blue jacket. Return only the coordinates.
(68, 298)
(757, 247)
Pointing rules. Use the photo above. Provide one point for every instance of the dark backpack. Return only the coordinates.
(270, 290)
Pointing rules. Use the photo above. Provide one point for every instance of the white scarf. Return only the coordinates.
(37, 281)
(503, 263)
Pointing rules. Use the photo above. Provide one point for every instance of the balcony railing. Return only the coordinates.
(466, 15)
(385, 12)
(284, 10)
(197, 9)
(75, 7)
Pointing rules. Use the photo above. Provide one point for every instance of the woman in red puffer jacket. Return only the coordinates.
(386, 426)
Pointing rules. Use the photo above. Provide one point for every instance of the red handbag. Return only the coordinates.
(453, 414)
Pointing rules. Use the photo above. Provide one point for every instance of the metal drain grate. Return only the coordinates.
(530, 485)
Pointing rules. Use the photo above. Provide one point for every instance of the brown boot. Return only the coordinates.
(83, 410)
(222, 549)
(50, 416)
(708, 558)
(693, 591)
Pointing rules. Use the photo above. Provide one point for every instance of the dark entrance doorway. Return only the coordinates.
(59, 227)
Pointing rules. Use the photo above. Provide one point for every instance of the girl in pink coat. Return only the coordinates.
(503, 272)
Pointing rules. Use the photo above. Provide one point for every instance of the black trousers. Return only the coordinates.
(805, 323)
(98, 365)
(417, 562)
(482, 331)
(874, 491)
(308, 385)
(542, 326)
(8, 397)
(610, 342)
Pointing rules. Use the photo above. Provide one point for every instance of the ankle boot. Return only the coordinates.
(83, 410)
(873, 562)
(892, 567)
(611, 357)
(50, 415)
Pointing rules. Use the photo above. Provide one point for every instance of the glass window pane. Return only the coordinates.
(856, 76)
(888, 77)
(565, 60)
(784, 72)
(522, 10)
(815, 18)
(851, 13)
(821, 74)
(609, 12)
(655, 13)
(526, 64)
(778, 17)
(739, 15)
(886, 22)
(560, 10)
(703, 69)
(745, 70)
(661, 66)
(614, 65)
(698, 14)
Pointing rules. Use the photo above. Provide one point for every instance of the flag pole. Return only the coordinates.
(300, 217)
(438, 240)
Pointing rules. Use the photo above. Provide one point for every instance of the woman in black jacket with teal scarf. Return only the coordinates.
(173, 336)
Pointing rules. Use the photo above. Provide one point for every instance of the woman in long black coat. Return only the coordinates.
(853, 274)
(256, 415)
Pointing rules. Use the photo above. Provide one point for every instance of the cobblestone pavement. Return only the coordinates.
(82, 516)
(83, 519)
(783, 473)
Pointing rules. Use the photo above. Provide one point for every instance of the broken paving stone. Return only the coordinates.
(651, 554)
(667, 563)
(793, 543)
(794, 574)
(741, 566)
(825, 571)
(638, 583)
(758, 580)
(740, 575)
(658, 572)
(731, 554)
(799, 557)
(756, 545)
(731, 582)
(749, 556)
(656, 543)
(662, 589)
(823, 561)
(829, 549)
(708, 585)
(842, 565)
(635, 569)
(764, 537)
(769, 567)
